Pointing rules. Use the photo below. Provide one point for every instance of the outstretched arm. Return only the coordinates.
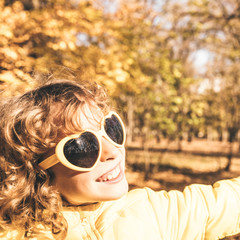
(200, 211)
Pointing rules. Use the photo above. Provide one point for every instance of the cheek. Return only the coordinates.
(123, 152)
(71, 185)
(67, 180)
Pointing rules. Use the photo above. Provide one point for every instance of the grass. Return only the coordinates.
(180, 160)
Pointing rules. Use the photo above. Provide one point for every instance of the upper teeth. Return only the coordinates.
(112, 174)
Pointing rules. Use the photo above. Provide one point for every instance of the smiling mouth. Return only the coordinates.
(111, 176)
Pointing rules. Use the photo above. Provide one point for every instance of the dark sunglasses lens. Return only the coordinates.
(114, 129)
(82, 151)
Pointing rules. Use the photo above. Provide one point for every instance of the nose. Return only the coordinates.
(109, 151)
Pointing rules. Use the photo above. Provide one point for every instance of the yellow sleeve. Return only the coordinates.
(199, 212)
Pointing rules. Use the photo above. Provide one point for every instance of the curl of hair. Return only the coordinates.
(30, 125)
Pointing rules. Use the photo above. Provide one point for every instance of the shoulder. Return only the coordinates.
(13, 233)
(10, 234)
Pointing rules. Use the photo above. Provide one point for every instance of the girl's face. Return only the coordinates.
(106, 181)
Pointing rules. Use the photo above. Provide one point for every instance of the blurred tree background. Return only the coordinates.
(172, 67)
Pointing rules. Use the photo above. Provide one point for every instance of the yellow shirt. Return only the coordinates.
(199, 212)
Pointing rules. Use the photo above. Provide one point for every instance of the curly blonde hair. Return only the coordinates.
(30, 125)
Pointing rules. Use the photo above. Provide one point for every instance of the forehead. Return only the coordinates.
(90, 116)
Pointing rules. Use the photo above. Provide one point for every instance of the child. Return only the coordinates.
(62, 162)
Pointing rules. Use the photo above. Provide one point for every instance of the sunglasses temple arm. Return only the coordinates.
(49, 162)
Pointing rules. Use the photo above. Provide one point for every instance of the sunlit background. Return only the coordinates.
(172, 69)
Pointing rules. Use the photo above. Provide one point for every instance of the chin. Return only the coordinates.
(117, 191)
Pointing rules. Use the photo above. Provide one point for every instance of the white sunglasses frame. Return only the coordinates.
(59, 154)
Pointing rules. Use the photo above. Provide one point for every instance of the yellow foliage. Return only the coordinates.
(17, 6)
(72, 45)
(5, 31)
(13, 84)
(53, 23)
(120, 75)
(9, 53)
(8, 77)
(102, 61)
(177, 73)
(62, 45)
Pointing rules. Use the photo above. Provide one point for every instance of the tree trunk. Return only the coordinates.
(227, 168)
(231, 138)
(130, 117)
(146, 156)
